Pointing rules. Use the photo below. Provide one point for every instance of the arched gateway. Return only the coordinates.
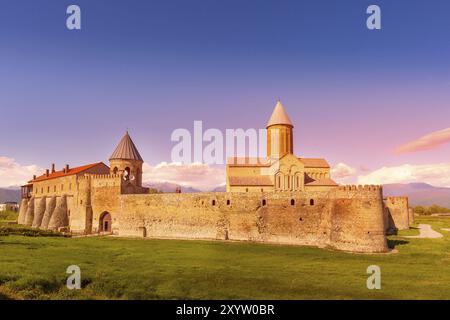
(105, 222)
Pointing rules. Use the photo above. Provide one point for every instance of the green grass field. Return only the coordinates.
(118, 268)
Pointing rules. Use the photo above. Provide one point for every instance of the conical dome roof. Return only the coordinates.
(279, 116)
(126, 150)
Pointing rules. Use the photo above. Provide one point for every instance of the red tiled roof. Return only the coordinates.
(323, 182)
(314, 162)
(58, 174)
(251, 181)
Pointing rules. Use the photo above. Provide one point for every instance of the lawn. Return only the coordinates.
(119, 268)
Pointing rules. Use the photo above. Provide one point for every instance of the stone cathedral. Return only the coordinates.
(281, 170)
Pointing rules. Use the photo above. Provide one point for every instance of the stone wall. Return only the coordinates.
(396, 214)
(347, 218)
(411, 216)
(45, 212)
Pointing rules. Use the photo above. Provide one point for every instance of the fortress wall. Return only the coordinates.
(22, 211)
(345, 219)
(244, 189)
(104, 198)
(397, 213)
(100, 189)
(49, 209)
(29, 216)
(59, 218)
(411, 216)
(357, 219)
(40, 205)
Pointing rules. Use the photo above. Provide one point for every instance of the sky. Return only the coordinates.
(374, 103)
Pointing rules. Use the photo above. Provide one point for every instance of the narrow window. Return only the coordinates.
(62, 187)
(81, 201)
(264, 202)
(54, 188)
(228, 202)
(42, 190)
(48, 189)
(292, 202)
(246, 189)
(214, 202)
(311, 202)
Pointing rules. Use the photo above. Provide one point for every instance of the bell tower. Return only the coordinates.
(279, 133)
(127, 161)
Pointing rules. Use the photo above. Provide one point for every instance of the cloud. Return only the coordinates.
(434, 174)
(197, 175)
(428, 142)
(341, 170)
(343, 173)
(12, 174)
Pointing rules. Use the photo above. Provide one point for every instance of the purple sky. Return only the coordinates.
(354, 95)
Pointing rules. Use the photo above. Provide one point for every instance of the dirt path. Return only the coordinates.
(426, 232)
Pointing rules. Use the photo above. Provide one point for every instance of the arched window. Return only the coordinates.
(214, 202)
(278, 180)
(127, 173)
(228, 202)
(311, 202)
(115, 170)
(292, 202)
(264, 202)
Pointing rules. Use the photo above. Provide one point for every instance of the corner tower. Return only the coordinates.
(127, 161)
(279, 133)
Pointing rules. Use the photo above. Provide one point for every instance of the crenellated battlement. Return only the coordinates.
(360, 187)
(396, 198)
(99, 176)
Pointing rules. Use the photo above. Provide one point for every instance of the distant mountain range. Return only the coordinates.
(170, 187)
(219, 189)
(419, 193)
(10, 194)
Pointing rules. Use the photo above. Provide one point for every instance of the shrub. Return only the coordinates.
(9, 215)
(28, 232)
(422, 210)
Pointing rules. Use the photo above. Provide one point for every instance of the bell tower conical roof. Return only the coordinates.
(126, 150)
(279, 116)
